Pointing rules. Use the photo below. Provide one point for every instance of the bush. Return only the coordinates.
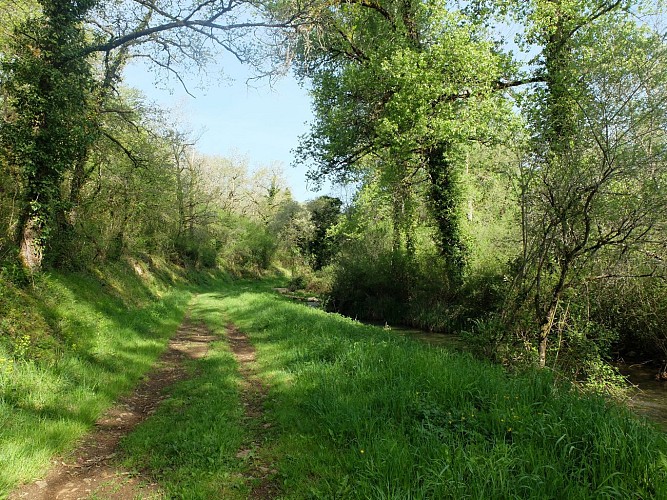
(637, 310)
(246, 248)
(371, 283)
(296, 283)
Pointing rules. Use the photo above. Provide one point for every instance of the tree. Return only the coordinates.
(324, 214)
(129, 200)
(293, 228)
(53, 88)
(46, 124)
(596, 159)
(404, 95)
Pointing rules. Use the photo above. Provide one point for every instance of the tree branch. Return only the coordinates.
(135, 160)
(177, 24)
(502, 85)
(371, 4)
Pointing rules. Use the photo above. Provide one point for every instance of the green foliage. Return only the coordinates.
(374, 282)
(363, 413)
(400, 98)
(125, 195)
(580, 352)
(292, 228)
(297, 282)
(587, 182)
(467, 159)
(637, 310)
(60, 66)
(248, 248)
(371, 282)
(488, 338)
(490, 226)
(530, 211)
(13, 273)
(392, 269)
(324, 213)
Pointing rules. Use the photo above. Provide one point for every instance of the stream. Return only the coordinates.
(650, 396)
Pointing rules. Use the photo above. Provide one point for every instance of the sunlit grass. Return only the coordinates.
(86, 343)
(363, 414)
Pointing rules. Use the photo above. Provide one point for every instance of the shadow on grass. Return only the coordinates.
(103, 335)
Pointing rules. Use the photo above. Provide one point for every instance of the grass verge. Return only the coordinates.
(69, 346)
(361, 413)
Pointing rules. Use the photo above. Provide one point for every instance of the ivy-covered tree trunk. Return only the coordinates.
(444, 198)
(46, 129)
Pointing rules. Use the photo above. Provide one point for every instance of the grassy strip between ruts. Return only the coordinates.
(190, 445)
(360, 413)
(68, 349)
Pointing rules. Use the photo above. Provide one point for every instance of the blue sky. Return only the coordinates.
(260, 122)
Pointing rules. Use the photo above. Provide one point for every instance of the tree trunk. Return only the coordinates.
(444, 195)
(542, 345)
(31, 252)
(545, 330)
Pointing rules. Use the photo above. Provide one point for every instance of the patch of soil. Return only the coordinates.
(89, 470)
(253, 395)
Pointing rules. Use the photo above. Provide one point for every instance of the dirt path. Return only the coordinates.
(89, 471)
(260, 473)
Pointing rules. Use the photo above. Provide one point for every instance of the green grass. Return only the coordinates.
(355, 411)
(190, 444)
(363, 414)
(69, 346)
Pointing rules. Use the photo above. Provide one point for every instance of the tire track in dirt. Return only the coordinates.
(253, 395)
(89, 470)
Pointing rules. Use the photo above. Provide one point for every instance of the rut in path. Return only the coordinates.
(89, 470)
(253, 396)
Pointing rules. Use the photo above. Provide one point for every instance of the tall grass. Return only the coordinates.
(69, 346)
(363, 414)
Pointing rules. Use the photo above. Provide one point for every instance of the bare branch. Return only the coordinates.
(137, 162)
(168, 67)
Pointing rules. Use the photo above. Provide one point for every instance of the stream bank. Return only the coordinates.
(648, 397)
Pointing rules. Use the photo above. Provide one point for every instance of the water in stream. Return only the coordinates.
(650, 396)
